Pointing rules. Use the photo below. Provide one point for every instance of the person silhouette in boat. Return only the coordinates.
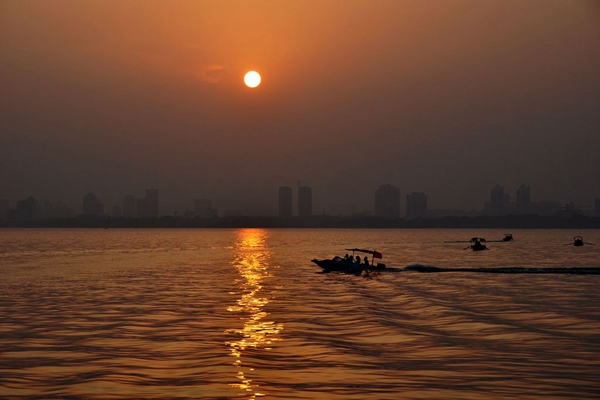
(366, 260)
(358, 259)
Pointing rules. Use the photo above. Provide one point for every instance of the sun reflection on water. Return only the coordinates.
(258, 333)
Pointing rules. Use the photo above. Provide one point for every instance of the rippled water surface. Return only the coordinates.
(218, 314)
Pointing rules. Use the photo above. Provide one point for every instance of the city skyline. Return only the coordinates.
(444, 98)
(386, 203)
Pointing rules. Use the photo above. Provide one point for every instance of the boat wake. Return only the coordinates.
(508, 270)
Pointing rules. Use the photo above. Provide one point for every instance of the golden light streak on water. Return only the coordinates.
(257, 333)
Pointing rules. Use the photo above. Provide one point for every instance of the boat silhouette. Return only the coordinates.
(477, 244)
(352, 264)
(578, 242)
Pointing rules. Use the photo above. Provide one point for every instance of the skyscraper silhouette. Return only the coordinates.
(497, 200)
(285, 202)
(148, 206)
(92, 206)
(387, 201)
(416, 205)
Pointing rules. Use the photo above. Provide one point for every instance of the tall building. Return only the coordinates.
(26, 209)
(571, 209)
(285, 202)
(387, 201)
(203, 208)
(92, 206)
(304, 201)
(497, 200)
(523, 200)
(129, 206)
(3, 208)
(416, 205)
(148, 206)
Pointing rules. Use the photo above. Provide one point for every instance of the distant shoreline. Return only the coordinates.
(326, 222)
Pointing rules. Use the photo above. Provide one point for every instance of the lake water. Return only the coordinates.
(219, 314)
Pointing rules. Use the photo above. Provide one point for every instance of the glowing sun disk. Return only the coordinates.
(252, 79)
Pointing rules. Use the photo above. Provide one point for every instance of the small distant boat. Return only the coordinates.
(578, 242)
(477, 244)
(507, 237)
(352, 263)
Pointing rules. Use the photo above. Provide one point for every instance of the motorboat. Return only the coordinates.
(578, 242)
(507, 237)
(477, 244)
(353, 263)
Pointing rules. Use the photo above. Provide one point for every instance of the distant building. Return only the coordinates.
(54, 209)
(441, 213)
(4, 208)
(203, 208)
(148, 206)
(523, 200)
(498, 200)
(92, 206)
(117, 212)
(597, 207)
(387, 201)
(304, 201)
(285, 202)
(416, 205)
(229, 213)
(26, 209)
(571, 210)
(129, 206)
(546, 208)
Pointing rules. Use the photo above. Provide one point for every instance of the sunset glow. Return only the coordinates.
(499, 82)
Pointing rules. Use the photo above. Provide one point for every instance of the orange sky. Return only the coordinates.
(446, 97)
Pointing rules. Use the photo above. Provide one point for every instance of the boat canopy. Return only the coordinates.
(375, 254)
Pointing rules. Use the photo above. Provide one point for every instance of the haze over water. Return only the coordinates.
(244, 314)
(449, 98)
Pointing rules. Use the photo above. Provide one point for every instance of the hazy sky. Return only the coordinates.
(449, 97)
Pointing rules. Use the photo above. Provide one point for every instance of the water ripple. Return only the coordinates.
(243, 314)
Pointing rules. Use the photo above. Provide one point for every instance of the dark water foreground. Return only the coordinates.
(508, 270)
(244, 314)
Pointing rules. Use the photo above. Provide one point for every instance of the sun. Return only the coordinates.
(252, 79)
